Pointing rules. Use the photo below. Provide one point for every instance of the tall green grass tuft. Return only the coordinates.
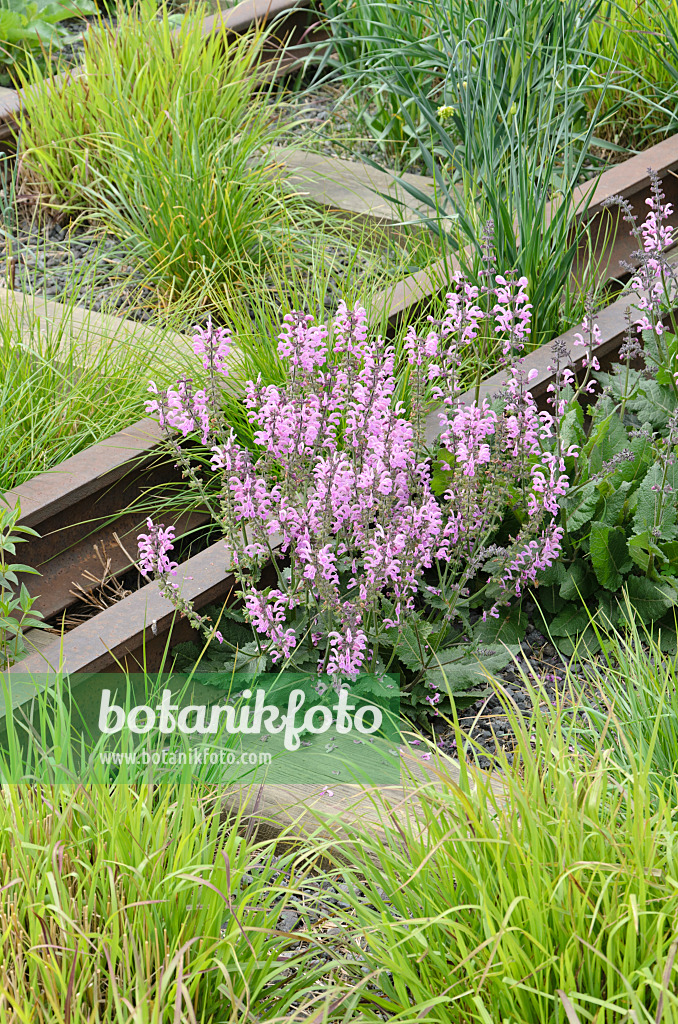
(546, 894)
(636, 41)
(164, 136)
(129, 895)
(141, 904)
(70, 379)
(493, 98)
(630, 689)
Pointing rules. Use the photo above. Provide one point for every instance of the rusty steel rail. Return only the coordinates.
(605, 243)
(84, 502)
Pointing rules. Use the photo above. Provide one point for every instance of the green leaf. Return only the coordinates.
(572, 429)
(549, 600)
(608, 438)
(18, 567)
(443, 473)
(25, 599)
(575, 584)
(640, 547)
(653, 405)
(613, 505)
(410, 643)
(609, 555)
(670, 553)
(586, 641)
(573, 619)
(455, 671)
(653, 508)
(553, 576)
(247, 661)
(579, 505)
(509, 628)
(651, 598)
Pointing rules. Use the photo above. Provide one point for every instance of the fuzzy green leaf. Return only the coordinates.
(573, 619)
(410, 643)
(455, 671)
(509, 628)
(575, 583)
(579, 505)
(609, 555)
(653, 508)
(651, 598)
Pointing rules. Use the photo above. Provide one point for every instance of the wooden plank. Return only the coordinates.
(72, 325)
(353, 187)
(301, 809)
(250, 13)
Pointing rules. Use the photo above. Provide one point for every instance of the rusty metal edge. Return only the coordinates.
(627, 179)
(84, 474)
(125, 628)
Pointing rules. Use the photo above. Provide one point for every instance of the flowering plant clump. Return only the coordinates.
(396, 547)
(377, 562)
(620, 514)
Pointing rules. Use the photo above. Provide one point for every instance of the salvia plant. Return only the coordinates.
(620, 516)
(395, 553)
(378, 566)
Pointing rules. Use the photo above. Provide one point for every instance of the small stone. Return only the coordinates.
(288, 921)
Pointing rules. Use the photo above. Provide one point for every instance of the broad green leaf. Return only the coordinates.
(654, 404)
(608, 437)
(609, 555)
(613, 505)
(549, 599)
(553, 576)
(573, 619)
(410, 643)
(670, 552)
(509, 628)
(586, 641)
(579, 505)
(576, 583)
(454, 670)
(572, 429)
(654, 508)
(651, 598)
(641, 547)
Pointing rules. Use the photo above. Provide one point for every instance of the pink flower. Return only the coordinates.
(153, 549)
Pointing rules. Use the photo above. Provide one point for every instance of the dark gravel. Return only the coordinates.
(56, 262)
(485, 722)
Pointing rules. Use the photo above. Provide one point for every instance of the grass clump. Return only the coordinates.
(137, 903)
(164, 135)
(545, 894)
(490, 99)
(637, 41)
(67, 383)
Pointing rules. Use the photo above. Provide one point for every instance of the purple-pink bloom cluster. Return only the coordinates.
(153, 550)
(342, 487)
